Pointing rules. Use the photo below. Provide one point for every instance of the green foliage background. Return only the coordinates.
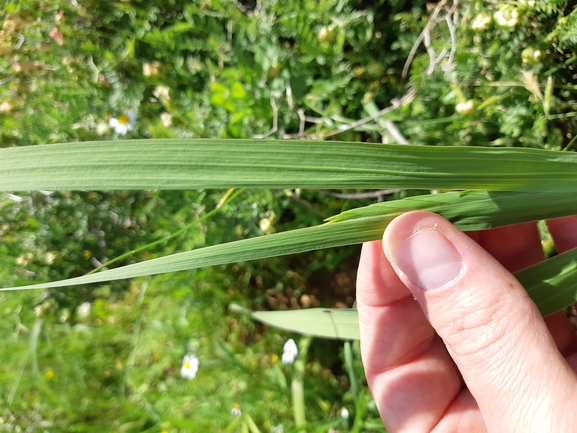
(282, 69)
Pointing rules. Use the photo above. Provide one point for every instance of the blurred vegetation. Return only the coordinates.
(442, 73)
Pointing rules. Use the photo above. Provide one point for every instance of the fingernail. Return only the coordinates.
(428, 259)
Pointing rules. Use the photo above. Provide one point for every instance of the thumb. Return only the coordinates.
(490, 326)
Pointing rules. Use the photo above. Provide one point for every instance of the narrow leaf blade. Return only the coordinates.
(551, 284)
(215, 163)
(472, 210)
(341, 324)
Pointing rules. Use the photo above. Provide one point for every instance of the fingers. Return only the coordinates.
(564, 232)
(399, 347)
(490, 327)
(519, 246)
(407, 367)
(516, 247)
(387, 304)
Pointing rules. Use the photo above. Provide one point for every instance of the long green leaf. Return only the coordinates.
(551, 284)
(203, 163)
(337, 323)
(470, 210)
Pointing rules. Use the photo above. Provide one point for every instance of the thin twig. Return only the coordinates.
(303, 120)
(453, 33)
(239, 5)
(302, 124)
(7, 79)
(13, 197)
(289, 96)
(274, 121)
(428, 27)
(21, 40)
(393, 130)
(308, 205)
(317, 120)
(95, 70)
(395, 103)
(430, 50)
(229, 30)
(438, 60)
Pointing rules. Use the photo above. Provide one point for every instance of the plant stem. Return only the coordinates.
(297, 385)
(349, 365)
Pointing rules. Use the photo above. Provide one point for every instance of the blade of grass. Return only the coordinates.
(551, 284)
(340, 324)
(472, 210)
(215, 163)
(228, 196)
(350, 367)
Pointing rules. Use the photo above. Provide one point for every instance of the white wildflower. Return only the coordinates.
(265, 225)
(83, 310)
(5, 107)
(526, 4)
(101, 128)
(49, 258)
(162, 93)
(189, 367)
(344, 413)
(467, 107)
(124, 123)
(507, 16)
(235, 411)
(290, 352)
(166, 119)
(150, 69)
(481, 22)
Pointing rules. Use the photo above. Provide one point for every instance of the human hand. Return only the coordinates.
(472, 354)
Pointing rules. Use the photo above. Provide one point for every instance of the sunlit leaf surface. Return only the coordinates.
(213, 163)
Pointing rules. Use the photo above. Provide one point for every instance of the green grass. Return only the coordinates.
(119, 368)
(307, 70)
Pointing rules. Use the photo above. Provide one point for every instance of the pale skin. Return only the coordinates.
(450, 340)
